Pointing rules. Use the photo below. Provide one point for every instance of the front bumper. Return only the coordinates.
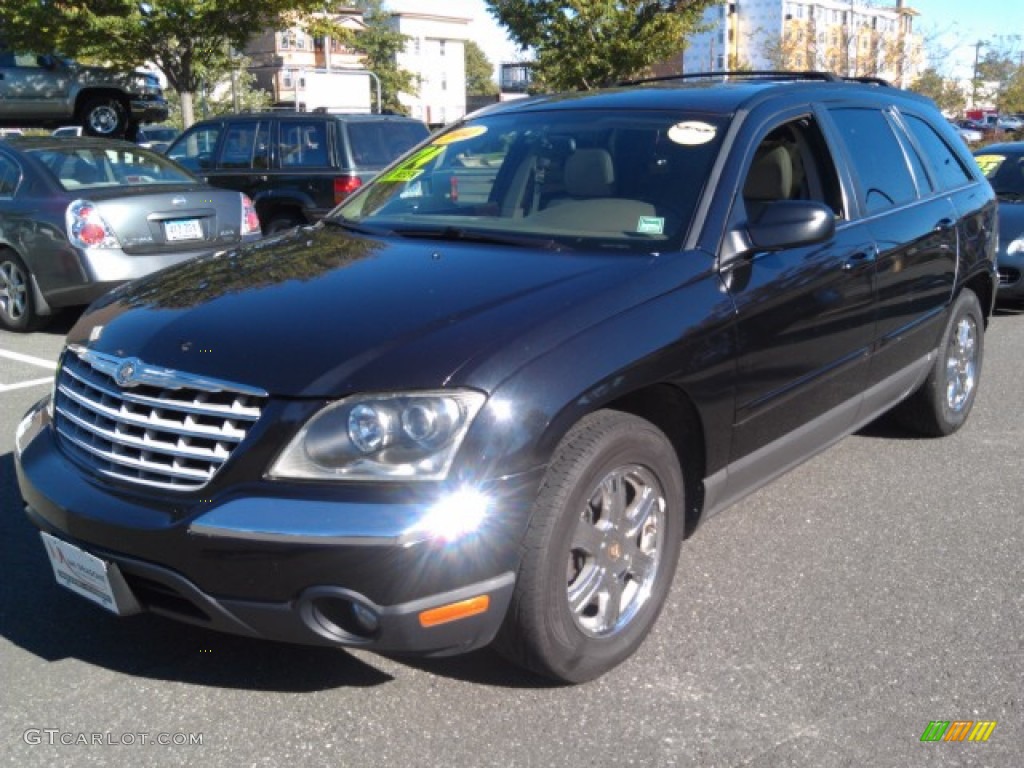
(148, 110)
(1011, 276)
(297, 568)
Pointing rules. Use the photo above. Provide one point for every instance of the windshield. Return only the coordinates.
(1005, 171)
(78, 167)
(627, 180)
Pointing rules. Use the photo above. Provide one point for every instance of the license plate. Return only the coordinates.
(89, 576)
(184, 229)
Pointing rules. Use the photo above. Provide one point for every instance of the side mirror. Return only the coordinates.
(791, 223)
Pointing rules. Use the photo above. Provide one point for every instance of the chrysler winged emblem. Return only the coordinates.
(124, 375)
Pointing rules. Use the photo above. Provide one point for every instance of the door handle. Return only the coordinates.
(945, 225)
(859, 259)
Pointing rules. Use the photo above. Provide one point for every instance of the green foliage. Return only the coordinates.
(381, 44)
(1000, 81)
(479, 72)
(584, 44)
(189, 41)
(943, 91)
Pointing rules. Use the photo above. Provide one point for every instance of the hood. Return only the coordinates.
(321, 312)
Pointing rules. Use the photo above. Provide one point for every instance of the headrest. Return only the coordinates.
(589, 173)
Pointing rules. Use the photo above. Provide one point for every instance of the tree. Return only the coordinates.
(189, 41)
(584, 44)
(943, 91)
(479, 72)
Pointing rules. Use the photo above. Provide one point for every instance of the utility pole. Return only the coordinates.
(974, 80)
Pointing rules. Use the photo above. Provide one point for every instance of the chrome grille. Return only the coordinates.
(149, 425)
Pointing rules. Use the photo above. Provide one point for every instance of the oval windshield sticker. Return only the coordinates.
(691, 133)
(461, 134)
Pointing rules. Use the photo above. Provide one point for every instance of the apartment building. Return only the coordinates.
(298, 69)
(435, 53)
(840, 36)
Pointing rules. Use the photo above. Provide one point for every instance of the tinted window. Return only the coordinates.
(877, 157)
(9, 176)
(195, 149)
(949, 173)
(303, 144)
(239, 145)
(1004, 171)
(378, 143)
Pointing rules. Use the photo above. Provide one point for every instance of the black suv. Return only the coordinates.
(295, 166)
(488, 396)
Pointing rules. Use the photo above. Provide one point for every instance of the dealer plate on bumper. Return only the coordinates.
(89, 576)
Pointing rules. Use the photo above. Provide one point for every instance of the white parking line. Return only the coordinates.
(24, 384)
(29, 359)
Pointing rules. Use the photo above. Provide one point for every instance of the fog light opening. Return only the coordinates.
(346, 617)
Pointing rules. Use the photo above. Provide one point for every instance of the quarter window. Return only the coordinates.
(949, 172)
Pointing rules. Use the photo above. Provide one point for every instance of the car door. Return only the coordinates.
(915, 226)
(32, 87)
(804, 314)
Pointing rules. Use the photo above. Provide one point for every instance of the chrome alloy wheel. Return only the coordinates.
(13, 291)
(104, 120)
(962, 363)
(616, 550)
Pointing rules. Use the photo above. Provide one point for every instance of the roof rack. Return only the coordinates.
(766, 74)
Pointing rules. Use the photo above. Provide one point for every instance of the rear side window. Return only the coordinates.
(378, 143)
(303, 144)
(877, 158)
(949, 172)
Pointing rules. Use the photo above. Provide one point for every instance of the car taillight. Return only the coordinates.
(345, 186)
(250, 219)
(87, 229)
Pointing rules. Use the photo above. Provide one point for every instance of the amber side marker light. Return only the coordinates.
(455, 611)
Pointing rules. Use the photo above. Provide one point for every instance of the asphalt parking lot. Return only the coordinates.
(825, 621)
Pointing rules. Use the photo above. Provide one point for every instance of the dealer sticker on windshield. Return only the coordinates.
(692, 133)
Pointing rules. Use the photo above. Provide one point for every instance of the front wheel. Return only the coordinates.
(942, 404)
(600, 551)
(105, 116)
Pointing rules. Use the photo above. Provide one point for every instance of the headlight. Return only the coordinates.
(408, 436)
(1015, 247)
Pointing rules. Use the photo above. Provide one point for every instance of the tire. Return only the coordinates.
(597, 564)
(104, 116)
(282, 221)
(942, 404)
(17, 303)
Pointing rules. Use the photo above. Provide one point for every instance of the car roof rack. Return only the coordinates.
(760, 74)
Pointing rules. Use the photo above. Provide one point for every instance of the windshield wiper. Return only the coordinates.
(351, 226)
(472, 236)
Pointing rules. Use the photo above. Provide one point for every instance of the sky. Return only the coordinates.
(951, 27)
(957, 25)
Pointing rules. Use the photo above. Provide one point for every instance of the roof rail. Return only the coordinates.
(766, 74)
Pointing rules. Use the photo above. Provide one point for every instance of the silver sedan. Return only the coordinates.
(79, 216)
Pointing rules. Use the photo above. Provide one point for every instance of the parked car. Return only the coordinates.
(295, 166)
(81, 216)
(1003, 165)
(67, 131)
(48, 91)
(156, 137)
(968, 131)
(487, 396)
